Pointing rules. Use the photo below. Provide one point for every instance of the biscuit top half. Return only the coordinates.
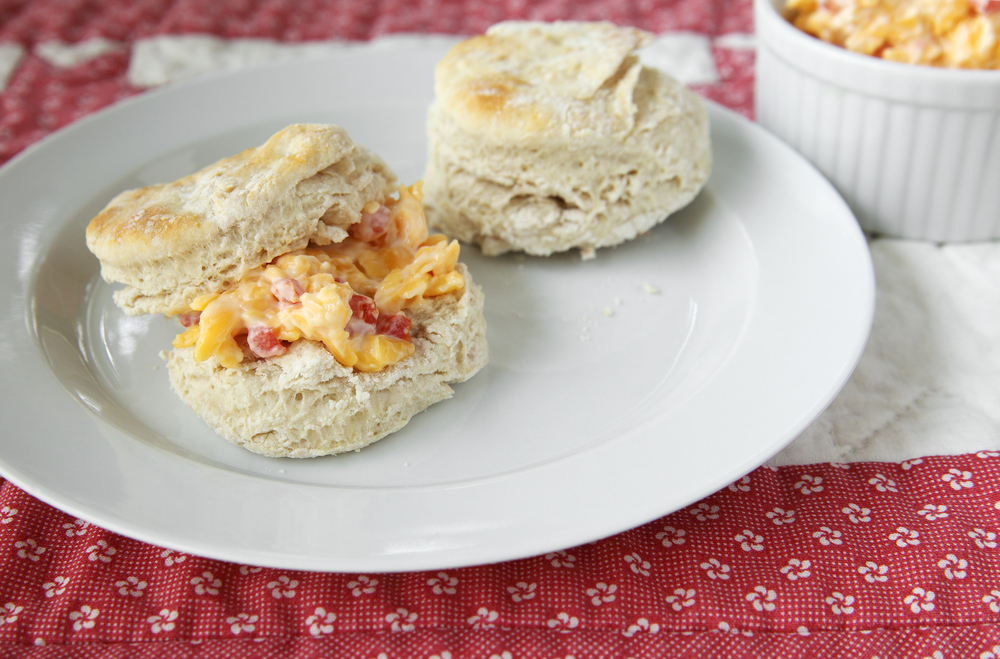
(525, 78)
(169, 243)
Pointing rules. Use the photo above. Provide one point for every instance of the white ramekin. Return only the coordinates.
(915, 150)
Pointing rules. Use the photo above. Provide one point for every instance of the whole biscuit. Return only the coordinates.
(172, 242)
(545, 137)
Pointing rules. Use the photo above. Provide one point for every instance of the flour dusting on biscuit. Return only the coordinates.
(546, 137)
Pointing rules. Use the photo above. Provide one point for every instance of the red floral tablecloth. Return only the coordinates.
(859, 560)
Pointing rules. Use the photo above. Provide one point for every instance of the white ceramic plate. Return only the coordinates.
(619, 389)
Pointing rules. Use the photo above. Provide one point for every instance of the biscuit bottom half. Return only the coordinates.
(305, 404)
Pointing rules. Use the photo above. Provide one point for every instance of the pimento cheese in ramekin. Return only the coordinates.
(959, 34)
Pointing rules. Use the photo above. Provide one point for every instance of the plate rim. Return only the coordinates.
(404, 560)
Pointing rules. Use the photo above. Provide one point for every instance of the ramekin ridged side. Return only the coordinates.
(914, 150)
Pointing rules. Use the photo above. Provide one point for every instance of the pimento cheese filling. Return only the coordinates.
(351, 296)
(948, 33)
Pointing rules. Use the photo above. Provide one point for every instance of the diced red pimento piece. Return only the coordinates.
(287, 290)
(987, 6)
(366, 319)
(364, 315)
(189, 318)
(364, 309)
(395, 325)
(372, 225)
(263, 342)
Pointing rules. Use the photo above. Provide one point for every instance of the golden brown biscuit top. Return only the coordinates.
(170, 242)
(523, 78)
(142, 223)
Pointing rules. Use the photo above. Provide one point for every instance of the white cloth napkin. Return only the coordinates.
(928, 382)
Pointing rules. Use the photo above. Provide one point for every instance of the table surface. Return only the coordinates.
(876, 535)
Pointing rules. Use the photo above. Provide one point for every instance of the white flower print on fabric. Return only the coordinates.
(503, 655)
(670, 536)
(840, 465)
(827, 536)
(954, 567)
(247, 570)
(7, 514)
(564, 623)
(100, 551)
(206, 584)
(780, 516)
(163, 621)
(401, 620)
(681, 599)
(762, 598)
(242, 623)
(883, 483)
(797, 569)
(321, 621)
(9, 613)
(857, 514)
(873, 572)
(602, 593)
(130, 587)
(55, 587)
(985, 455)
(84, 618)
(283, 587)
(904, 537)
(931, 512)
(910, 464)
(522, 591)
(991, 654)
(920, 600)
(809, 484)
(560, 559)
(750, 541)
(171, 557)
(641, 625)
(742, 485)
(442, 584)
(29, 549)
(77, 528)
(637, 565)
(803, 631)
(984, 539)
(704, 512)
(484, 619)
(992, 600)
(444, 655)
(958, 479)
(726, 628)
(840, 604)
(715, 569)
(363, 585)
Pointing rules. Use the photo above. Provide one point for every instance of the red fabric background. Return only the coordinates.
(41, 98)
(859, 560)
(823, 560)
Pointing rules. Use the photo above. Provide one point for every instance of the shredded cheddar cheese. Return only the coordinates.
(947, 33)
(351, 296)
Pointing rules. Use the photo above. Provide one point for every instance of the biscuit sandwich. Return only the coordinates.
(318, 315)
(546, 137)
